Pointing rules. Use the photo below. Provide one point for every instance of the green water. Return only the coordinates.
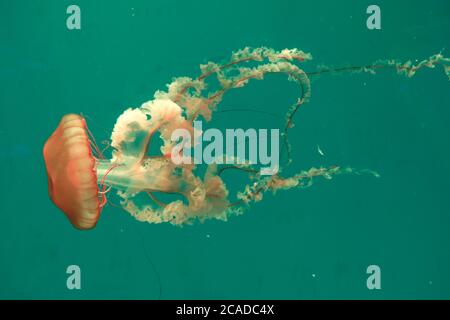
(313, 243)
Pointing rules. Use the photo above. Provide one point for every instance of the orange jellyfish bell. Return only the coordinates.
(72, 178)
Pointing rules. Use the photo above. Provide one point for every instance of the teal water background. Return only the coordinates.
(313, 243)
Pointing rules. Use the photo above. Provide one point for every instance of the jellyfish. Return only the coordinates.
(80, 177)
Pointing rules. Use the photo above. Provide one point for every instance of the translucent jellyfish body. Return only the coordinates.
(79, 176)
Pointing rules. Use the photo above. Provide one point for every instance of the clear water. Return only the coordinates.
(313, 243)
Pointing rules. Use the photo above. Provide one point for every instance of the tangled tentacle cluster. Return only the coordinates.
(187, 99)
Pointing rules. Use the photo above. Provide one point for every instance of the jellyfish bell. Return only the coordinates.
(72, 179)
